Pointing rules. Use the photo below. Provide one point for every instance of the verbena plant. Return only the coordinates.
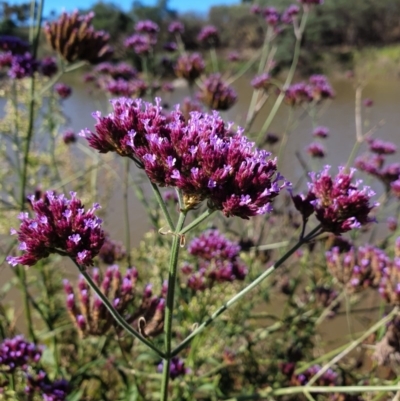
(196, 311)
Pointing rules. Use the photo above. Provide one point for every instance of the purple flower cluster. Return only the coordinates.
(217, 261)
(316, 149)
(121, 87)
(23, 66)
(48, 66)
(115, 71)
(216, 94)
(381, 147)
(359, 268)
(311, 2)
(57, 390)
(338, 204)
(389, 286)
(201, 156)
(64, 91)
(176, 368)
(69, 137)
(271, 16)
(290, 14)
(395, 187)
(262, 81)
(368, 102)
(208, 35)
(13, 44)
(329, 378)
(316, 90)
(141, 43)
(91, 317)
(233, 56)
(189, 66)
(147, 26)
(321, 132)
(60, 225)
(18, 353)
(111, 251)
(176, 27)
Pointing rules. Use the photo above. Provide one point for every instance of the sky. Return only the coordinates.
(199, 6)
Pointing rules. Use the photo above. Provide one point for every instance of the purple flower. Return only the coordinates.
(176, 27)
(290, 14)
(121, 87)
(233, 56)
(147, 26)
(329, 378)
(256, 9)
(262, 81)
(271, 16)
(321, 88)
(216, 94)
(140, 43)
(111, 251)
(321, 132)
(271, 138)
(64, 91)
(170, 47)
(176, 369)
(339, 204)
(69, 137)
(298, 93)
(204, 149)
(56, 390)
(48, 66)
(53, 229)
(208, 35)
(392, 223)
(6, 59)
(23, 66)
(368, 102)
(381, 147)
(18, 353)
(189, 66)
(116, 71)
(311, 2)
(395, 187)
(316, 149)
(13, 44)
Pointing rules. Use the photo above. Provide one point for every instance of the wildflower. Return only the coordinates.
(271, 15)
(64, 91)
(48, 66)
(208, 35)
(6, 59)
(381, 147)
(392, 223)
(271, 138)
(91, 317)
(339, 204)
(140, 43)
(395, 187)
(202, 157)
(13, 44)
(256, 9)
(170, 47)
(316, 149)
(23, 66)
(189, 67)
(116, 71)
(321, 132)
(368, 102)
(69, 136)
(321, 88)
(389, 286)
(217, 260)
(56, 390)
(121, 87)
(298, 93)
(176, 369)
(290, 14)
(74, 38)
(18, 353)
(311, 2)
(359, 268)
(176, 27)
(233, 56)
(60, 225)
(216, 94)
(111, 251)
(147, 26)
(262, 81)
(167, 87)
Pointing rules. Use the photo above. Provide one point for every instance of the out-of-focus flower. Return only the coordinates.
(111, 251)
(6, 59)
(91, 317)
(74, 38)
(121, 87)
(262, 81)
(140, 43)
(23, 66)
(233, 56)
(321, 88)
(271, 138)
(147, 26)
(48, 66)
(176, 27)
(60, 225)
(170, 47)
(368, 102)
(217, 260)
(290, 14)
(216, 94)
(392, 223)
(56, 390)
(311, 2)
(167, 87)
(69, 137)
(338, 203)
(298, 93)
(13, 44)
(359, 268)
(176, 369)
(329, 378)
(208, 36)
(64, 91)
(316, 149)
(116, 71)
(200, 156)
(271, 15)
(389, 287)
(395, 187)
(321, 132)
(18, 353)
(382, 147)
(189, 66)
(256, 9)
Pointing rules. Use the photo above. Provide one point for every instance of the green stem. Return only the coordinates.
(114, 313)
(197, 221)
(126, 212)
(245, 291)
(162, 204)
(214, 59)
(289, 78)
(172, 273)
